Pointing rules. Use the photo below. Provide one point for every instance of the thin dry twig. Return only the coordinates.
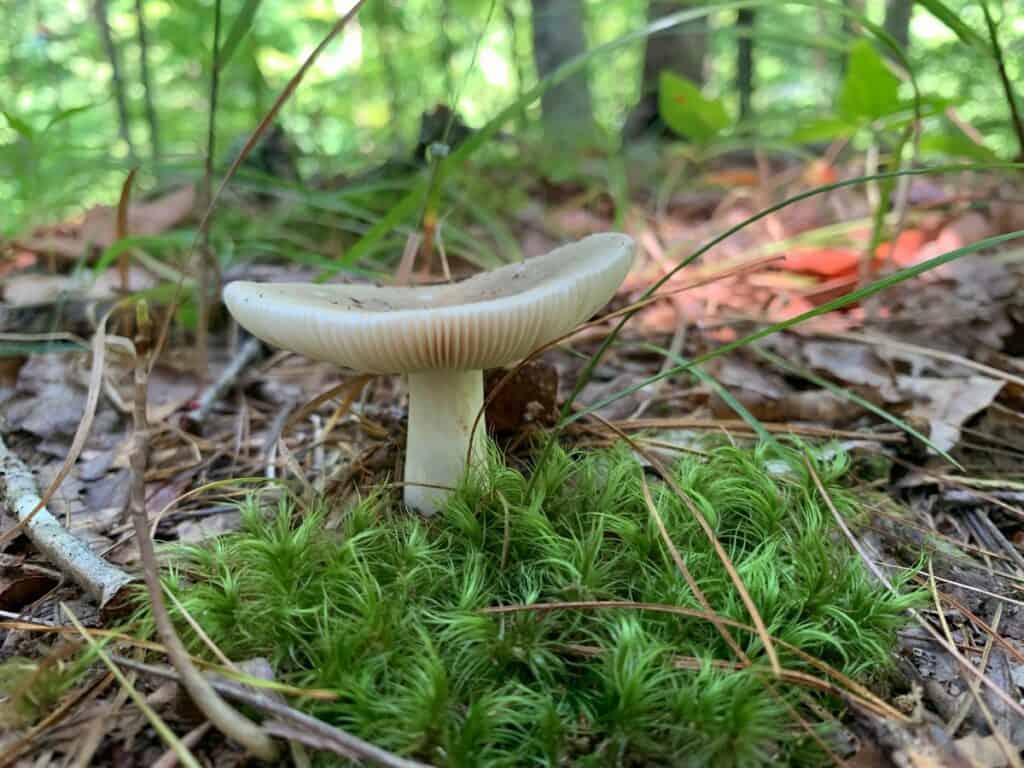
(973, 690)
(877, 573)
(250, 143)
(723, 556)
(219, 712)
(302, 727)
(249, 353)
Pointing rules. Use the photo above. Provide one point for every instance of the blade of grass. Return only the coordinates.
(936, 636)
(163, 731)
(867, 405)
(870, 290)
(411, 202)
(707, 379)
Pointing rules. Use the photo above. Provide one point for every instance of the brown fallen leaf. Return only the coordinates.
(37, 288)
(855, 364)
(99, 226)
(946, 404)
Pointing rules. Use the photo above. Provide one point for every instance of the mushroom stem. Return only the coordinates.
(443, 405)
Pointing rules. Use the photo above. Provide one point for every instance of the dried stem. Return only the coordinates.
(221, 714)
(290, 722)
(248, 353)
(72, 556)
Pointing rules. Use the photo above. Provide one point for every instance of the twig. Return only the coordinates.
(221, 714)
(249, 353)
(124, 260)
(305, 728)
(169, 759)
(95, 575)
(147, 90)
(158, 724)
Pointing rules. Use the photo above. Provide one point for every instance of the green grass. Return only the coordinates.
(386, 610)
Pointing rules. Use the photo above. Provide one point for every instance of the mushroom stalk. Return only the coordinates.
(443, 405)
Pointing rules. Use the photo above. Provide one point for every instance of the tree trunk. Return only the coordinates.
(147, 89)
(850, 28)
(116, 79)
(745, 20)
(897, 20)
(681, 49)
(557, 37)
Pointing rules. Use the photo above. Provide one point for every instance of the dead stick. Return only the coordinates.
(306, 728)
(70, 554)
(250, 352)
(217, 711)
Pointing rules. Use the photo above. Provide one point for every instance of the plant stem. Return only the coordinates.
(207, 263)
(1011, 99)
(219, 712)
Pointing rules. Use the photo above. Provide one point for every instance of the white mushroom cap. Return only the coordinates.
(487, 321)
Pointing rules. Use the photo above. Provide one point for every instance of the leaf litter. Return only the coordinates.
(941, 326)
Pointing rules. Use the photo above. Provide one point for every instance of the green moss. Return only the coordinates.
(387, 611)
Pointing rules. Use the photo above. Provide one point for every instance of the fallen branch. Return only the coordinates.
(289, 722)
(250, 352)
(71, 555)
(228, 720)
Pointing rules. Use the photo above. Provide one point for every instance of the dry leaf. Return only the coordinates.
(946, 404)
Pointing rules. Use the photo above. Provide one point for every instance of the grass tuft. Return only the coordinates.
(386, 610)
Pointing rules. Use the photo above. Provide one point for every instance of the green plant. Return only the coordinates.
(395, 613)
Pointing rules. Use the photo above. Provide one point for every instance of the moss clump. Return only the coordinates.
(387, 611)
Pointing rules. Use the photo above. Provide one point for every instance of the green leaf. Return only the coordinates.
(869, 90)
(687, 111)
(239, 28)
(19, 125)
(955, 145)
(66, 114)
(951, 19)
(823, 129)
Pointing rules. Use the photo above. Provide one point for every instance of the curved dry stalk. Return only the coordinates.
(291, 723)
(690, 581)
(182, 752)
(220, 713)
(99, 349)
(250, 143)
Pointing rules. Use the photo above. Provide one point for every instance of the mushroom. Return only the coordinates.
(441, 336)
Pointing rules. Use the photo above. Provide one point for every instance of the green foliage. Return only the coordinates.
(869, 90)
(30, 689)
(386, 609)
(688, 112)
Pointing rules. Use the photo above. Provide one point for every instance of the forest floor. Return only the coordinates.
(941, 354)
